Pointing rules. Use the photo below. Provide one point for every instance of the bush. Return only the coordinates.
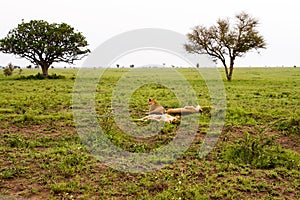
(9, 69)
(40, 76)
(261, 152)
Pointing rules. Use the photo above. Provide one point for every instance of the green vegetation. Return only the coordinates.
(8, 70)
(226, 40)
(43, 43)
(257, 155)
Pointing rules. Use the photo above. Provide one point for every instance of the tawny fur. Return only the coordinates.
(185, 110)
(163, 117)
(155, 108)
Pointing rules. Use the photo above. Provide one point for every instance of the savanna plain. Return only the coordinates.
(257, 155)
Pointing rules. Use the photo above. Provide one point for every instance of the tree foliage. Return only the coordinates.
(44, 44)
(226, 41)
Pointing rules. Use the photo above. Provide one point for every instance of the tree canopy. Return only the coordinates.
(43, 43)
(226, 41)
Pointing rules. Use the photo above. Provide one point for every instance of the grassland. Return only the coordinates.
(257, 155)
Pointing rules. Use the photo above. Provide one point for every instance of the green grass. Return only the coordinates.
(257, 155)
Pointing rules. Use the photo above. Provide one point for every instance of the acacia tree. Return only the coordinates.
(44, 44)
(225, 41)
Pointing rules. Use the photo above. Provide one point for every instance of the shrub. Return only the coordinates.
(9, 69)
(261, 152)
(40, 76)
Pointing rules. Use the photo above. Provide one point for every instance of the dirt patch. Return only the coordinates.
(20, 187)
(290, 142)
(53, 130)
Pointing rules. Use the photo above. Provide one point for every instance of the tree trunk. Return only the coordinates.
(226, 71)
(230, 73)
(45, 66)
(45, 71)
(231, 68)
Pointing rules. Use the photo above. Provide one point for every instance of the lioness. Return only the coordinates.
(154, 107)
(185, 110)
(163, 117)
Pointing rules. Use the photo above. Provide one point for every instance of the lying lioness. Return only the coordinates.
(163, 117)
(185, 110)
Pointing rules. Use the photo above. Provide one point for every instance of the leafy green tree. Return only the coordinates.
(43, 44)
(226, 41)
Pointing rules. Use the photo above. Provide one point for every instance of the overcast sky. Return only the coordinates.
(100, 20)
